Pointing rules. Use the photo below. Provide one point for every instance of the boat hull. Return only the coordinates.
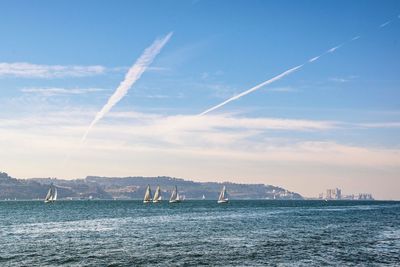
(146, 201)
(174, 201)
(222, 201)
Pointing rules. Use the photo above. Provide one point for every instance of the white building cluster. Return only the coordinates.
(336, 194)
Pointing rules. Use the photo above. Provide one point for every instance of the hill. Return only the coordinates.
(133, 188)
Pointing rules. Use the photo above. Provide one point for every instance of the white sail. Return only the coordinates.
(48, 196)
(51, 194)
(147, 196)
(222, 196)
(174, 196)
(157, 195)
(55, 194)
(204, 197)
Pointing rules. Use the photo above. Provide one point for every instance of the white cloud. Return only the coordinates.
(348, 78)
(339, 80)
(61, 91)
(152, 130)
(221, 90)
(162, 124)
(394, 124)
(29, 70)
(157, 96)
(286, 89)
(230, 147)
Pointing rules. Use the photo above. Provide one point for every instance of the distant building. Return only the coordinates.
(338, 193)
(334, 194)
(365, 196)
(328, 194)
(348, 197)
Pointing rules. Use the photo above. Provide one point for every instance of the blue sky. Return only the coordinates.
(333, 123)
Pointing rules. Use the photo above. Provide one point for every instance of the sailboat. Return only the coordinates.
(222, 196)
(147, 196)
(174, 196)
(157, 196)
(204, 197)
(51, 194)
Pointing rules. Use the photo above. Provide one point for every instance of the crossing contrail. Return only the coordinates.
(131, 77)
(285, 73)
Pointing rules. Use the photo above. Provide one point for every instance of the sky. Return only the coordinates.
(127, 88)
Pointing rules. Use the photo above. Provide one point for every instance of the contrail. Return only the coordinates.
(285, 73)
(280, 76)
(131, 77)
(333, 49)
(274, 79)
(313, 59)
(385, 24)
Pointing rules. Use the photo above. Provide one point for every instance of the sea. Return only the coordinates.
(200, 233)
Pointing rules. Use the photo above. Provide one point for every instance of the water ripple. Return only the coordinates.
(200, 233)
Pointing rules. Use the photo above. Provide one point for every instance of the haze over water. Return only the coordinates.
(196, 233)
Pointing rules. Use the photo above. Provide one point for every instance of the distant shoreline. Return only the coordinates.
(206, 200)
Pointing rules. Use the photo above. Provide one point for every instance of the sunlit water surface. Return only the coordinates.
(193, 233)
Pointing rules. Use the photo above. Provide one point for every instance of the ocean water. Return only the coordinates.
(200, 233)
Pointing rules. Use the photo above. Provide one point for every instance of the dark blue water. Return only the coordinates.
(193, 233)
